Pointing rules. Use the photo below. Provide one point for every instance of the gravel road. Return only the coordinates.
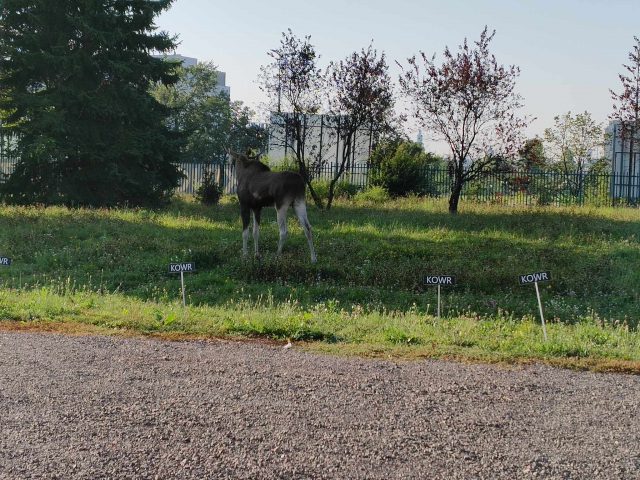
(96, 407)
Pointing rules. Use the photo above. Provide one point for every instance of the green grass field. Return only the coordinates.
(108, 268)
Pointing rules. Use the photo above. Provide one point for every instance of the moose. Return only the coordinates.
(259, 187)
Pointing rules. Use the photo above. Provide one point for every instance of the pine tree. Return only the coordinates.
(74, 88)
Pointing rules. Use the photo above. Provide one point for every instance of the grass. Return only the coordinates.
(108, 269)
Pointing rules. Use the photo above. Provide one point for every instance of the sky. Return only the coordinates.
(570, 52)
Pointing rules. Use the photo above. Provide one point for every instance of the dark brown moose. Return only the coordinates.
(259, 187)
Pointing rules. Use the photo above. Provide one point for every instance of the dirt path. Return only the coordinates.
(96, 407)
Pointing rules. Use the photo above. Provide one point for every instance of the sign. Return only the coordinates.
(187, 267)
(530, 278)
(5, 262)
(182, 268)
(439, 281)
(534, 278)
(443, 280)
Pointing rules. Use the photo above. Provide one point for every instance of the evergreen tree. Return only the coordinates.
(74, 88)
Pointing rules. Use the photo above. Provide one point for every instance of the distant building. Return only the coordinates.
(626, 170)
(322, 145)
(192, 62)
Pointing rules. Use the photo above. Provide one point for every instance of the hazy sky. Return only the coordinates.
(570, 52)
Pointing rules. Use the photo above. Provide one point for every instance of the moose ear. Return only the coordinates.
(238, 157)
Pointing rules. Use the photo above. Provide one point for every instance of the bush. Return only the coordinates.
(376, 194)
(209, 192)
(400, 167)
(287, 164)
(346, 189)
(343, 189)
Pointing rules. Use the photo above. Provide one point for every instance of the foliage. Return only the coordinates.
(374, 195)
(400, 167)
(209, 121)
(470, 102)
(361, 97)
(73, 88)
(342, 189)
(532, 154)
(294, 85)
(209, 192)
(572, 141)
(286, 165)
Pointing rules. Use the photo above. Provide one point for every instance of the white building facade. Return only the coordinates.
(323, 143)
(625, 168)
(221, 87)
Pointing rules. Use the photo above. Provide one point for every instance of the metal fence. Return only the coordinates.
(7, 156)
(508, 188)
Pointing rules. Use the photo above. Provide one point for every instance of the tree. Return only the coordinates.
(245, 134)
(532, 154)
(207, 119)
(294, 84)
(626, 109)
(361, 99)
(74, 78)
(470, 102)
(399, 166)
(573, 144)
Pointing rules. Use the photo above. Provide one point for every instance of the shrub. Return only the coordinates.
(375, 194)
(287, 164)
(346, 189)
(209, 192)
(400, 166)
(343, 189)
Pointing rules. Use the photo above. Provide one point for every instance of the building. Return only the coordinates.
(192, 62)
(322, 146)
(625, 182)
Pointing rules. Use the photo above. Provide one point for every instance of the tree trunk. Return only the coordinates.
(316, 199)
(330, 196)
(456, 190)
(631, 152)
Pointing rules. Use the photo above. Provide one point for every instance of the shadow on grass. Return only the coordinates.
(376, 267)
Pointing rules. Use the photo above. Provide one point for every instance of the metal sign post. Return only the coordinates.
(439, 280)
(184, 300)
(534, 278)
(181, 268)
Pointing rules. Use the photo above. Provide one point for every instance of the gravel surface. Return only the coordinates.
(98, 407)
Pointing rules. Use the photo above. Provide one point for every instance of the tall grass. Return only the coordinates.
(372, 258)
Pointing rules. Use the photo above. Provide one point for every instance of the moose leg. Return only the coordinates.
(301, 211)
(245, 214)
(256, 230)
(281, 214)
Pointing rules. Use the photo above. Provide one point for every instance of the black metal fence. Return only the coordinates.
(508, 188)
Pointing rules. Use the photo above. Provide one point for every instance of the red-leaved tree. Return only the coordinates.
(361, 100)
(470, 102)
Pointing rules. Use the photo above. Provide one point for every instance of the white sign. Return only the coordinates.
(439, 280)
(182, 268)
(534, 278)
(530, 278)
(187, 267)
